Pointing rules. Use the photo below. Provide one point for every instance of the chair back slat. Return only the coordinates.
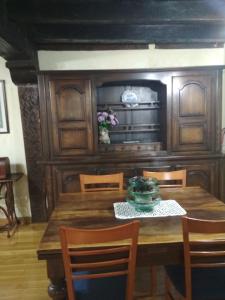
(100, 264)
(99, 251)
(107, 259)
(199, 252)
(108, 182)
(102, 275)
(207, 253)
(166, 179)
(208, 265)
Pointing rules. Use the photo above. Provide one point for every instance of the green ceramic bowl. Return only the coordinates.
(144, 207)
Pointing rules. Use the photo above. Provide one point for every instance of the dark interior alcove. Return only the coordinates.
(140, 106)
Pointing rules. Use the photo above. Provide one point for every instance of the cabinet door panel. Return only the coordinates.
(67, 177)
(192, 134)
(193, 112)
(202, 173)
(71, 116)
(192, 99)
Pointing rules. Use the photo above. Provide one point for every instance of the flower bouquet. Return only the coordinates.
(106, 120)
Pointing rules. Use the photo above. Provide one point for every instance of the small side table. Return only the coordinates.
(6, 194)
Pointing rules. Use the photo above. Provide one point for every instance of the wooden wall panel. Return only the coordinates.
(70, 117)
(193, 113)
(30, 113)
(192, 100)
(192, 134)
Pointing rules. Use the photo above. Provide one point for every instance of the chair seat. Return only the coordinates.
(107, 288)
(207, 284)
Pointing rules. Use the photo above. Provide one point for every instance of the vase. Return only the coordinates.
(104, 135)
(143, 193)
(143, 202)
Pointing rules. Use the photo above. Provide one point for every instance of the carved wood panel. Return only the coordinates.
(67, 180)
(30, 113)
(202, 173)
(190, 134)
(192, 113)
(70, 117)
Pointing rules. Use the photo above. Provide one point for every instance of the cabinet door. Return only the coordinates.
(70, 117)
(193, 112)
(202, 173)
(66, 178)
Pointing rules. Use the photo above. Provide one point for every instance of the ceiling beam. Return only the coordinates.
(142, 34)
(17, 50)
(13, 41)
(140, 12)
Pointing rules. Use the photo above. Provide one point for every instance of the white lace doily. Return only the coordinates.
(124, 210)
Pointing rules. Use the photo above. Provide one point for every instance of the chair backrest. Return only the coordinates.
(103, 261)
(164, 177)
(108, 182)
(203, 250)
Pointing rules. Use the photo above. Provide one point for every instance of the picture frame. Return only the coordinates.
(4, 121)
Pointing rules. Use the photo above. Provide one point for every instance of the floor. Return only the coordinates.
(23, 277)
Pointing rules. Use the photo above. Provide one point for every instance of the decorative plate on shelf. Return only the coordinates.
(129, 98)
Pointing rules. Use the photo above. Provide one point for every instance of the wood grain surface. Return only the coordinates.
(160, 239)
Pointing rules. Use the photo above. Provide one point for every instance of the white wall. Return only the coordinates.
(129, 59)
(12, 145)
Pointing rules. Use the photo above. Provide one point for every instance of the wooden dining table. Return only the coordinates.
(160, 238)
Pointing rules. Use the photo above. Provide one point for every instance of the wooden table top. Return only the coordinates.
(95, 210)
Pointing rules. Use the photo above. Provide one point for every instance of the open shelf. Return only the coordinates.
(141, 123)
(130, 147)
(128, 128)
(141, 106)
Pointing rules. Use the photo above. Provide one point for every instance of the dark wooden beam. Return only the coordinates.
(107, 24)
(7, 50)
(129, 34)
(89, 46)
(13, 41)
(117, 12)
(23, 71)
(16, 49)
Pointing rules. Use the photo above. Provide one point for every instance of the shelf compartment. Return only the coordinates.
(154, 146)
(127, 128)
(122, 107)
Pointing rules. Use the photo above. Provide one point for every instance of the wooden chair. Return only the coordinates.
(109, 182)
(202, 277)
(106, 272)
(163, 177)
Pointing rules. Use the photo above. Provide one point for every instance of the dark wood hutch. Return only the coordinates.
(176, 123)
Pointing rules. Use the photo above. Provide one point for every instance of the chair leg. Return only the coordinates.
(153, 283)
(170, 292)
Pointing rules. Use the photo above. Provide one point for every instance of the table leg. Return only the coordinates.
(10, 202)
(10, 212)
(57, 287)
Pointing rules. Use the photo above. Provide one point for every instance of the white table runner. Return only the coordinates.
(124, 210)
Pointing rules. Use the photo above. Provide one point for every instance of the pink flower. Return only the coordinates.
(101, 119)
(113, 122)
(107, 118)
